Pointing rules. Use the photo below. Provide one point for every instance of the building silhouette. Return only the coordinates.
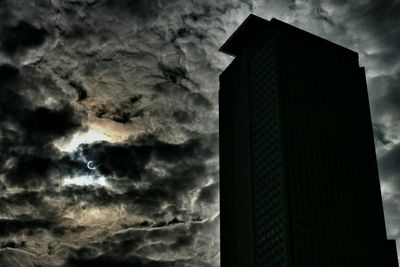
(299, 184)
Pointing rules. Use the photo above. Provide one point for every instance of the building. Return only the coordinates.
(299, 184)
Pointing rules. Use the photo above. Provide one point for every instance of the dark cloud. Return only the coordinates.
(28, 129)
(13, 226)
(21, 36)
(379, 134)
(199, 35)
(171, 239)
(197, 148)
(21, 198)
(12, 244)
(107, 261)
(7, 73)
(379, 20)
(18, 257)
(80, 90)
(43, 122)
(135, 98)
(201, 101)
(182, 116)
(30, 168)
(139, 9)
(18, 107)
(182, 167)
(36, 170)
(130, 159)
(386, 101)
(174, 75)
(389, 164)
(209, 193)
(125, 112)
(9, 97)
(98, 196)
(171, 190)
(167, 239)
(118, 160)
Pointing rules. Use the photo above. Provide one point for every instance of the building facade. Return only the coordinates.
(299, 184)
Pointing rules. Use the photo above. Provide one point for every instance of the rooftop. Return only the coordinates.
(254, 25)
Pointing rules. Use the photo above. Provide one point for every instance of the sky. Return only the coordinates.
(130, 89)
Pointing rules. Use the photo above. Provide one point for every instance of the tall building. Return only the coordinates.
(299, 184)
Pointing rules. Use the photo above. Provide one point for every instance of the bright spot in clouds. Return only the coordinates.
(77, 139)
(85, 180)
(72, 144)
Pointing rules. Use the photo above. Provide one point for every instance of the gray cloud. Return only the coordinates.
(21, 36)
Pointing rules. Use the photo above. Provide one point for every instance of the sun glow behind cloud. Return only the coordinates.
(88, 137)
(71, 145)
(77, 139)
(83, 180)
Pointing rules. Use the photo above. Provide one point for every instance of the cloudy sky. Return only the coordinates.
(131, 87)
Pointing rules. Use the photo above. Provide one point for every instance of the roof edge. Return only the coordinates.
(253, 25)
(246, 31)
